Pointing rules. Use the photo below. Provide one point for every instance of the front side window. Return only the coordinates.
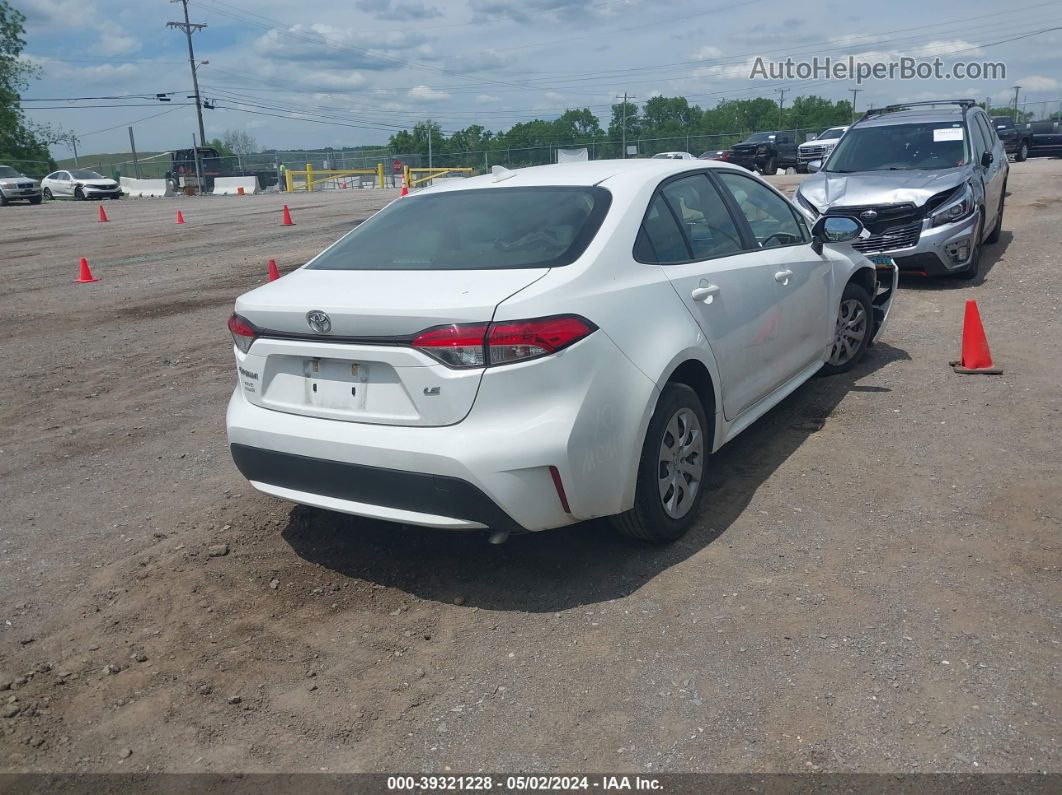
(901, 147)
(773, 222)
(485, 229)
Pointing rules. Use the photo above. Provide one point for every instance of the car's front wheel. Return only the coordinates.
(79, 194)
(852, 331)
(671, 470)
(770, 168)
(35, 200)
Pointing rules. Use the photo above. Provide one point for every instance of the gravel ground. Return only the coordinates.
(874, 585)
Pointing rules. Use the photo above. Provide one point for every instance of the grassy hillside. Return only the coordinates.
(105, 162)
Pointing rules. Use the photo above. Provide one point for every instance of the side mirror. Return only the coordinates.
(834, 229)
(986, 159)
(814, 166)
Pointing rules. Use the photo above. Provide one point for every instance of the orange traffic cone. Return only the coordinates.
(287, 217)
(405, 188)
(976, 358)
(103, 215)
(86, 274)
(274, 274)
(180, 217)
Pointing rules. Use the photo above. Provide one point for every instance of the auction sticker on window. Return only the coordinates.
(947, 134)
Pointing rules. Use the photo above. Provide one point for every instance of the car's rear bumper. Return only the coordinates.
(582, 411)
(412, 497)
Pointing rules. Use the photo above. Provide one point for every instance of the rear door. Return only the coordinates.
(689, 231)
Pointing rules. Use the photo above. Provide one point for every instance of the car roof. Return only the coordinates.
(913, 116)
(585, 173)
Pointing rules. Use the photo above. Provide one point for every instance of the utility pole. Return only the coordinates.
(189, 28)
(623, 134)
(1016, 90)
(781, 104)
(430, 136)
(132, 145)
(73, 143)
(854, 92)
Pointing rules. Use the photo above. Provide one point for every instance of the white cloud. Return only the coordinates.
(553, 96)
(486, 99)
(427, 94)
(115, 41)
(706, 53)
(1037, 83)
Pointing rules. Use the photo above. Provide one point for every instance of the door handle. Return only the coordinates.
(783, 276)
(705, 294)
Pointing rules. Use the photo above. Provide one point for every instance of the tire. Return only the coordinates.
(998, 228)
(47, 194)
(1023, 152)
(3, 200)
(664, 508)
(971, 270)
(79, 194)
(852, 331)
(770, 168)
(35, 200)
(802, 169)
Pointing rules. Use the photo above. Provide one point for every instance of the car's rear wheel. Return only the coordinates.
(48, 194)
(852, 331)
(671, 470)
(1023, 152)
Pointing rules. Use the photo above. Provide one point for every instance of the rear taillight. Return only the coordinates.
(491, 344)
(243, 332)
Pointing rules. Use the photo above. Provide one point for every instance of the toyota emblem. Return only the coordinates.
(868, 215)
(319, 321)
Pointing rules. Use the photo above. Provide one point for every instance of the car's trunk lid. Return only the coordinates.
(363, 369)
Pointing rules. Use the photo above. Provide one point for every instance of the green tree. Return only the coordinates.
(22, 145)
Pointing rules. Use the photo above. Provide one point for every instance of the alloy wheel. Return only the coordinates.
(681, 463)
(849, 333)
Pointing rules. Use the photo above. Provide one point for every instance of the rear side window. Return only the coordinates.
(772, 220)
(485, 229)
(660, 240)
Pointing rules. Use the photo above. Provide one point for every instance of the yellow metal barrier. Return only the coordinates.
(431, 173)
(311, 174)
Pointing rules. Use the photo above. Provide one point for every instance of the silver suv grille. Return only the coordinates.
(897, 237)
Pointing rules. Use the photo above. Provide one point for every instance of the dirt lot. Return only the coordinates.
(874, 585)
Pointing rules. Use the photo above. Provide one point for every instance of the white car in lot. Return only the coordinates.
(80, 183)
(533, 348)
(673, 156)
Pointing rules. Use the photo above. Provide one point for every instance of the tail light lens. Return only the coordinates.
(491, 344)
(243, 332)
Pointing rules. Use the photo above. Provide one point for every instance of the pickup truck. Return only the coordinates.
(1045, 138)
(1017, 140)
(766, 152)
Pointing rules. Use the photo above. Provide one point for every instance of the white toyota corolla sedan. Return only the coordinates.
(529, 349)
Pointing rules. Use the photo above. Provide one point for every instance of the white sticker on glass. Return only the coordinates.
(947, 134)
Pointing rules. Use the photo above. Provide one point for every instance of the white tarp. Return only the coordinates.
(572, 155)
(227, 186)
(146, 187)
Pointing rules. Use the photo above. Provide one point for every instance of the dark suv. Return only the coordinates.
(1016, 140)
(766, 152)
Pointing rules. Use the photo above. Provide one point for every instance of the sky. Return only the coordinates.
(314, 73)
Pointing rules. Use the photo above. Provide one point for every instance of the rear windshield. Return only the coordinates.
(487, 229)
(901, 147)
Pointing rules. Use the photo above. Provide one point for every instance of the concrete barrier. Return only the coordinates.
(228, 186)
(146, 187)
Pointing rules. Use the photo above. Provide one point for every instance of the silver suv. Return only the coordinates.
(16, 187)
(927, 180)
